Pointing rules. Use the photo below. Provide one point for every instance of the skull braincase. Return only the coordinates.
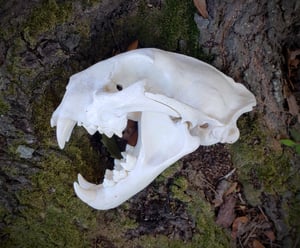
(178, 101)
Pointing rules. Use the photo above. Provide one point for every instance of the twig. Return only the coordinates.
(260, 209)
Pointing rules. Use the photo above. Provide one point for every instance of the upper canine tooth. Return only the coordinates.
(64, 128)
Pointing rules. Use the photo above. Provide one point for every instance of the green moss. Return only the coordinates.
(179, 188)
(45, 18)
(208, 233)
(170, 26)
(50, 214)
(4, 107)
(264, 167)
(261, 167)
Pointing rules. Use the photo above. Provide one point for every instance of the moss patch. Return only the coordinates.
(261, 167)
(4, 107)
(168, 26)
(50, 214)
(264, 168)
(45, 18)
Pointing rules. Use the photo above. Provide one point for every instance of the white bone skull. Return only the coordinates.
(179, 103)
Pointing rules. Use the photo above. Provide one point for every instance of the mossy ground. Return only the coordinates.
(265, 168)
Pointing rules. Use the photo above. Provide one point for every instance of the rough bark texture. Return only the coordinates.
(42, 43)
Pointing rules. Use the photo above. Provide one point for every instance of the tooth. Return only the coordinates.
(64, 130)
(130, 162)
(129, 149)
(84, 194)
(108, 174)
(117, 165)
(119, 133)
(91, 129)
(109, 134)
(101, 130)
(108, 183)
(84, 183)
(124, 154)
(119, 174)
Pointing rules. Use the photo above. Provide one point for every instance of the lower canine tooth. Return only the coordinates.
(84, 183)
(84, 194)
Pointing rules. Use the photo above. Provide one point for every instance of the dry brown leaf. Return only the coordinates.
(232, 188)
(237, 226)
(257, 244)
(201, 7)
(270, 234)
(134, 45)
(226, 213)
(222, 187)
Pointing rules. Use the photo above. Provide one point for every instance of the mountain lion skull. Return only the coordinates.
(178, 101)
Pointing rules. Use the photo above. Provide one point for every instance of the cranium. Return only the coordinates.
(179, 103)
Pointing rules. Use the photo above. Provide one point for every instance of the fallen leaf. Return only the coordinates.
(134, 45)
(257, 244)
(231, 189)
(270, 234)
(201, 7)
(238, 226)
(222, 187)
(226, 213)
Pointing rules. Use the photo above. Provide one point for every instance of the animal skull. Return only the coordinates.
(179, 103)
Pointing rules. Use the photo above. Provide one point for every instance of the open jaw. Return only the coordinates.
(139, 168)
(162, 140)
(178, 102)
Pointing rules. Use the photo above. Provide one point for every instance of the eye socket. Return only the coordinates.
(119, 87)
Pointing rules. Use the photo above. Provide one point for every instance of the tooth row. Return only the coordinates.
(121, 168)
(91, 129)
